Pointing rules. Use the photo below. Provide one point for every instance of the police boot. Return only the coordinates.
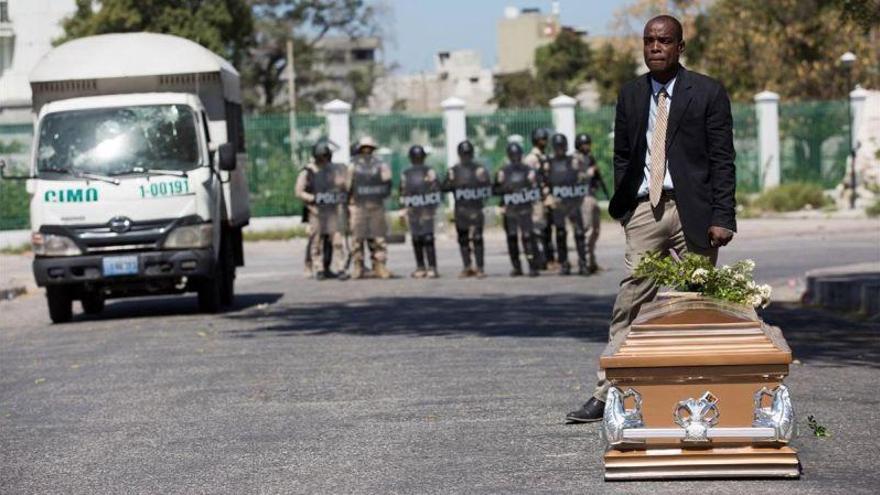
(380, 270)
(565, 268)
(358, 271)
(582, 255)
(592, 267)
(517, 267)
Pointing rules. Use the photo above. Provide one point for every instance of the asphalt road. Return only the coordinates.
(400, 386)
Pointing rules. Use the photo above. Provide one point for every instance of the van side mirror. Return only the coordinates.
(226, 156)
(11, 177)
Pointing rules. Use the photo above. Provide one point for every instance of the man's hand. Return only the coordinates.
(719, 236)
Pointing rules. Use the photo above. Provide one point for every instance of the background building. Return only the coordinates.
(457, 73)
(27, 28)
(349, 67)
(520, 32)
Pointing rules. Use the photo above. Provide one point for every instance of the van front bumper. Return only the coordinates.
(89, 269)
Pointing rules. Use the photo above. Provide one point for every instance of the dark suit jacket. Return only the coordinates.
(699, 149)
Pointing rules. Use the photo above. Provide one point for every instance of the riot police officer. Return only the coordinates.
(517, 184)
(420, 195)
(369, 181)
(321, 186)
(541, 221)
(471, 185)
(592, 220)
(566, 183)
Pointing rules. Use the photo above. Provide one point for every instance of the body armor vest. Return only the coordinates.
(417, 191)
(563, 178)
(328, 185)
(470, 191)
(367, 184)
(517, 189)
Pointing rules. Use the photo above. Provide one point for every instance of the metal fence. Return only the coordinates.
(272, 169)
(814, 143)
(15, 148)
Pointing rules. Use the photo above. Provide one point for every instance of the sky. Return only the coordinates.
(420, 28)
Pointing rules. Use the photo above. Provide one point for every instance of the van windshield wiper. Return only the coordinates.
(79, 174)
(153, 171)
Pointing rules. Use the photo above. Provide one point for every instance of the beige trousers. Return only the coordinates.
(646, 230)
(592, 222)
(338, 260)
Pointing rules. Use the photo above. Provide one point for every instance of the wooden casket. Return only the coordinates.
(698, 393)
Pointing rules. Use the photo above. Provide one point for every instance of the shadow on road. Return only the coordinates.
(183, 304)
(551, 315)
(820, 337)
(816, 336)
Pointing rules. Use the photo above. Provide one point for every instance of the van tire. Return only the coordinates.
(227, 276)
(60, 304)
(209, 294)
(92, 304)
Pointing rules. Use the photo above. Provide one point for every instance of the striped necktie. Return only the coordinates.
(658, 150)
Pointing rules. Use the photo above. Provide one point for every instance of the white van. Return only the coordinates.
(137, 173)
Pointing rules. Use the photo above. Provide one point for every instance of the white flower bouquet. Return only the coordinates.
(695, 273)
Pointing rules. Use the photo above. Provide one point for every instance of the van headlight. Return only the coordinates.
(53, 245)
(190, 236)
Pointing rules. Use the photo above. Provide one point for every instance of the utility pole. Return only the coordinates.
(291, 99)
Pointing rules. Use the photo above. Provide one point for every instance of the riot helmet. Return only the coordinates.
(560, 143)
(582, 139)
(321, 151)
(466, 149)
(540, 134)
(514, 152)
(417, 154)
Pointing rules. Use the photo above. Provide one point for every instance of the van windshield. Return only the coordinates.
(112, 141)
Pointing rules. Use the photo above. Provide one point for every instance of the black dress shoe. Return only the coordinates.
(588, 413)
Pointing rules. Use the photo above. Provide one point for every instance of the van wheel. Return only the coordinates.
(210, 297)
(60, 304)
(92, 304)
(227, 278)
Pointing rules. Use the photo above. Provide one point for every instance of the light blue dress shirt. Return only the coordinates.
(652, 117)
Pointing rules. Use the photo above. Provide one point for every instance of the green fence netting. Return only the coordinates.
(814, 141)
(15, 148)
(745, 142)
(272, 170)
(599, 124)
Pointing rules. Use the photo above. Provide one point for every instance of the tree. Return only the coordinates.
(612, 68)
(222, 26)
(306, 22)
(564, 65)
(516, 90)
(560, 67)
(791, 47)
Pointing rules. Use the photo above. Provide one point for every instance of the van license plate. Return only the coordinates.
(120, 265)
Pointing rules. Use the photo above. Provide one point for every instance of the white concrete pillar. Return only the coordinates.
(338, 129)
(857, 98)
(563, 117)
(767, 109)
(455, 127)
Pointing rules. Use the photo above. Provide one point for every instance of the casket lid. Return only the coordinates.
(696, 331)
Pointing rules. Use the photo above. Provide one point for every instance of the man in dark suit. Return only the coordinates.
(674, 174)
